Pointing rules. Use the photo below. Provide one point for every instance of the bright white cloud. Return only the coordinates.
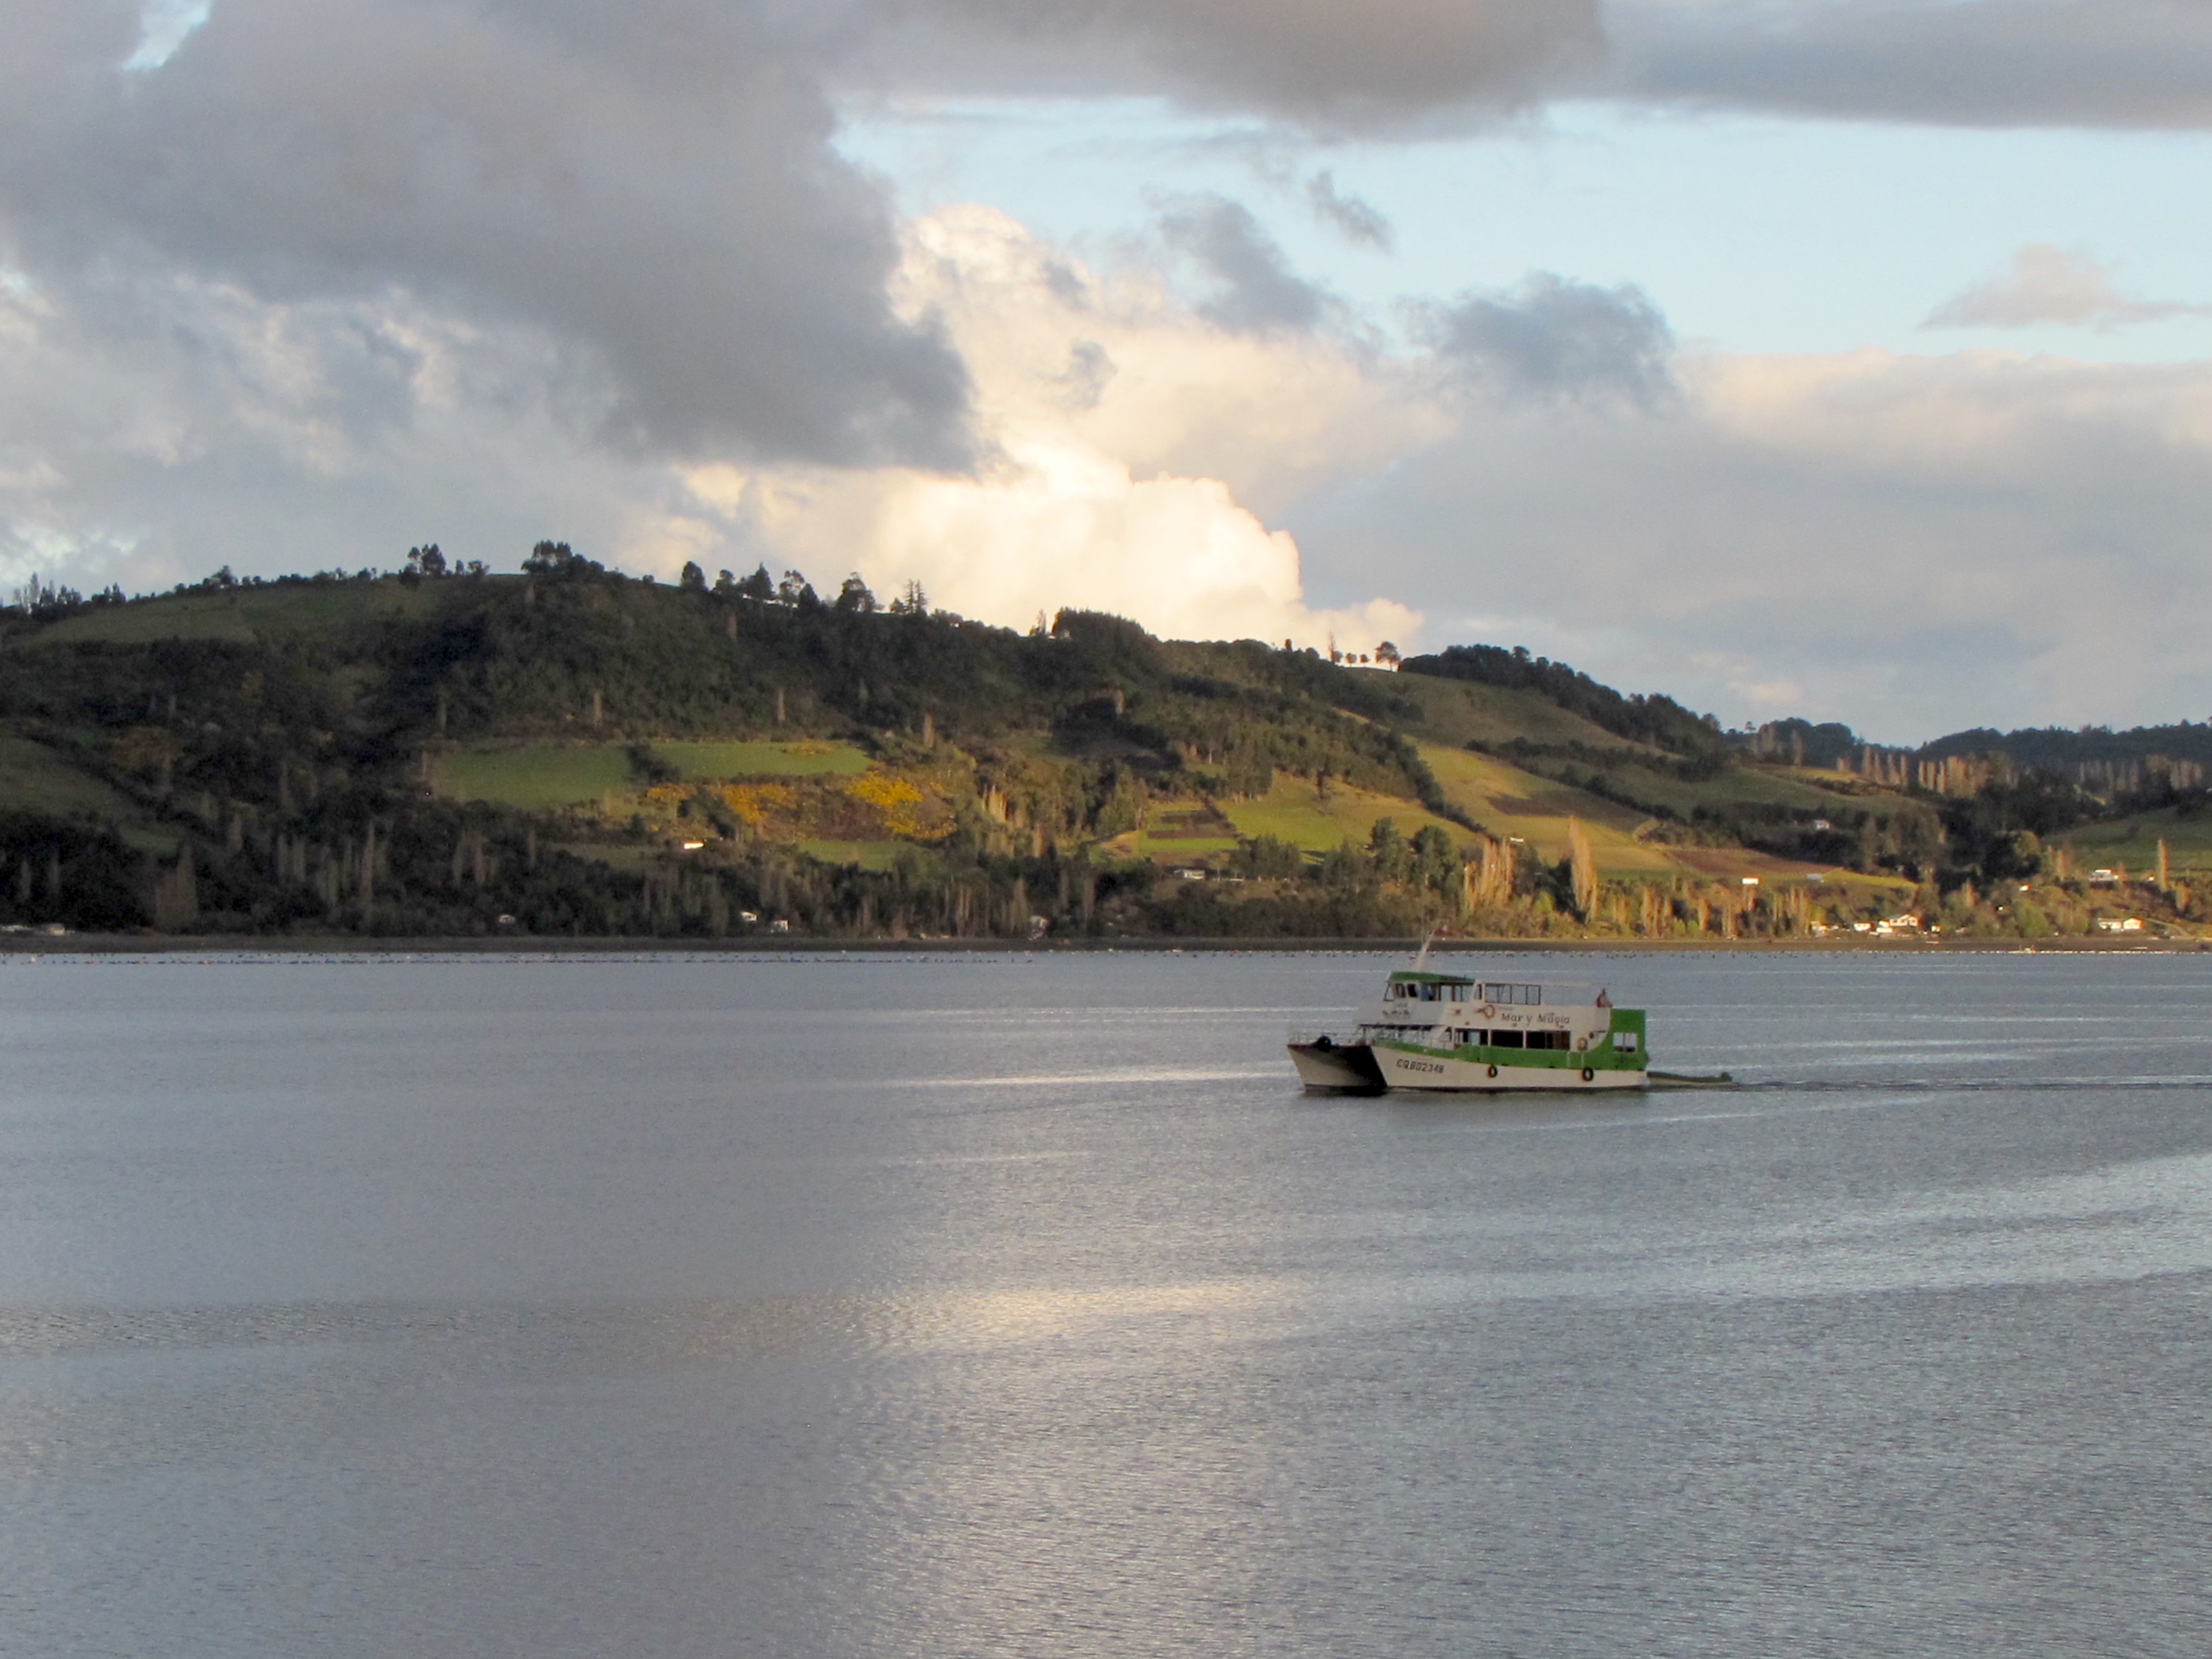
(164, 26)
(1126, 435)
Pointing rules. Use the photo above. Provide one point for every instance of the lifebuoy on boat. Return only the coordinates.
(1494, 1071)
(1581, 1044)
(1589, 1076)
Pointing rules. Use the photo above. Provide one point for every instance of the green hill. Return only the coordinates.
(570, 751)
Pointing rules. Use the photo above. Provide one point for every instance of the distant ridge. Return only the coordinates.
(569, 751)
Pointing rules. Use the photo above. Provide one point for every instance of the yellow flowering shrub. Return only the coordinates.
(755, 804)
(882, 790)
(906, 811)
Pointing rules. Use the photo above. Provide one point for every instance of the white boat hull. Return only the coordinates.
(1338, 1068)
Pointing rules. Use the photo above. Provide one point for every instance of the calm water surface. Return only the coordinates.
(1010, 1306)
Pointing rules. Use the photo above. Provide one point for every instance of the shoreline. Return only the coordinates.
(48, 945)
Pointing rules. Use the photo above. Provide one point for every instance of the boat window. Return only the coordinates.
(1505, 1040)
(1527, 996)
(1625, 1040)
(1547, 1039)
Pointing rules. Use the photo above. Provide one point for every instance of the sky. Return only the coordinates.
(1848, 359)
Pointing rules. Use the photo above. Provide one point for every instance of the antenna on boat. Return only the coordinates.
(1421, 958)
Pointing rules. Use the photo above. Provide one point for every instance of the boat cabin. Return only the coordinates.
(1447, 1011)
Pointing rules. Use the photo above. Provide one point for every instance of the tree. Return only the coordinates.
(1394, 858)
(854, 598)
(1387, 652)
(694, 579)
(426, 560)
(795, 589)
(1582, 869)
(1435, 861)
(558, 561)
(760, 586)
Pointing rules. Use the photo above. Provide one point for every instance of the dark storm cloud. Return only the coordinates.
(652, 186)
(1318, 63)
(1993, 63)
(1551, 338)
(1257, 291)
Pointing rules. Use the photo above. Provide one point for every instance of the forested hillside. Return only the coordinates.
(569, 750)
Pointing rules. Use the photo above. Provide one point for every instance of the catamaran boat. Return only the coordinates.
(1447, 1031)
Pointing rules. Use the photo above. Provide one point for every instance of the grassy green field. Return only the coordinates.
(878, 855)
(1293, 811)
(538, 776)
(534, 776)
(252, 613)
(1181, 847)
(2134, 841)
(629, 859)
(703, 761)
(37, 779)
(1456, 713)
(1510, 802)
(1766, 786)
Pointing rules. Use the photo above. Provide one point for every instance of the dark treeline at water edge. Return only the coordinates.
(570, 752)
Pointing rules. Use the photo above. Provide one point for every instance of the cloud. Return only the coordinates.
(1257, 290)
(153, 427)
(1553, 338)
(1414, 66)
(1988, 63)
(652, 192)
(2049, 284)
(1318, 64)
(1134, 443)
(1913, 544)
(1350, 216)
(155, 424)
(163, 27)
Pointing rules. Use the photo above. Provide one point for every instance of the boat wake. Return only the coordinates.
(1967, 1085)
